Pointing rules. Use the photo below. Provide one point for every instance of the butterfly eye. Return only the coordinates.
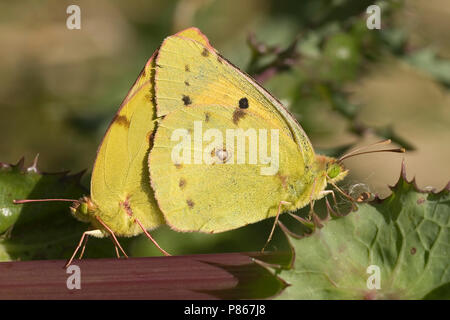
(333, 170)
(223, 155)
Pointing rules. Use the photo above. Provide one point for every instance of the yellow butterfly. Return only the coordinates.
(188, 87)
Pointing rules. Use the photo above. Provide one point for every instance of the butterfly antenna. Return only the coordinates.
(359, 151)
(43, 200)
(378, 143)
(397, 150)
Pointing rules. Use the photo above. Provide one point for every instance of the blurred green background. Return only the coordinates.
(347, 85)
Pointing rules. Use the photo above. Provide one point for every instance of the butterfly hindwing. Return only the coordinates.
(218, 196)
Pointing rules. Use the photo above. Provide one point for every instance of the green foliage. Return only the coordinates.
(427, 61)
(325, 59)
(18, 182)
(406, 235)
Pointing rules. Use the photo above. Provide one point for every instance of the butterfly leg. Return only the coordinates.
(305, 222)
(83, 237)
(84, 247)
(289, 232)
(275, 223)
(327, 192)
(117, 251)
(344, 194)
(151, 238)
(324, 193)
(311, 210)
(114, 239)
(311, 201)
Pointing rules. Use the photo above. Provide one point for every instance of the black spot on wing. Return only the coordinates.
(186, 68)
(243, 103)
(207, 115)
(186, 100)
(182, 183)
(205, 52)
(187, 83)
(190, 203)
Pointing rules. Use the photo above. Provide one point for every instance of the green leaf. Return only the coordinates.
(18, 182)
(342, 57)
(427, 61)
(405, 235)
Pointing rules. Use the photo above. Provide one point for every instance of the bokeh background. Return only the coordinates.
(347, 85)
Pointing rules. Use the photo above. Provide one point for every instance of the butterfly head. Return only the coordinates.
(335, 171)
(331, 168)
(83, 209)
